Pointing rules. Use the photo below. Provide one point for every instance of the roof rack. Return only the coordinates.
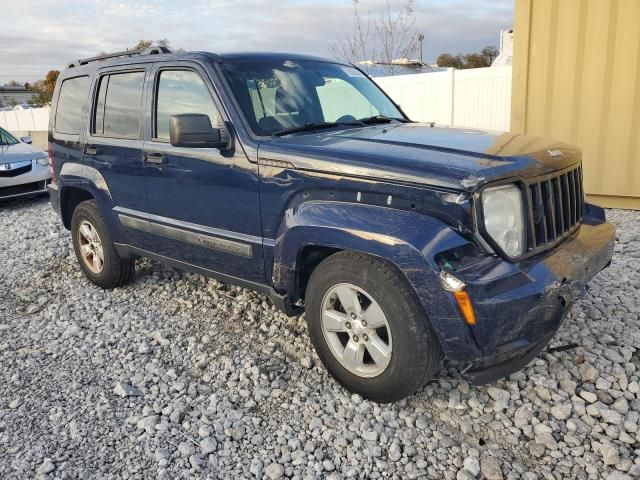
(127, 53)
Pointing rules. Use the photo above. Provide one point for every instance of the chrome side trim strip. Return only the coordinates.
(199, 239)
(128, 211)
(194, 226)
(134, 223)
(205, 229)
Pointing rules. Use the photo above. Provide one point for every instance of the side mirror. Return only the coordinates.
(194, 130)
(26, 139)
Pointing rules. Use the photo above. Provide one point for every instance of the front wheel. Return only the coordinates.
(368, 328)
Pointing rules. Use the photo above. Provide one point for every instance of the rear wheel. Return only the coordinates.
(368, 328)
(94, 249)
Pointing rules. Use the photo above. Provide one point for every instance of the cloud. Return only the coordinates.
(40, 35)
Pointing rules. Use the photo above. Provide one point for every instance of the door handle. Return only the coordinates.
(90, 150)
(155, 158)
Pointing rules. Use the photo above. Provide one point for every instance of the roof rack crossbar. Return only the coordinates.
(127, 53)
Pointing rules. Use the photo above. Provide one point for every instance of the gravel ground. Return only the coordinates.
(178, 376)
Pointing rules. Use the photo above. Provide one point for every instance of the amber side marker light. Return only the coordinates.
(456, 286)
(464, 303)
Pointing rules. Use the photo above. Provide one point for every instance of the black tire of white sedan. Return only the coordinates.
(95, 250)
(368, 327)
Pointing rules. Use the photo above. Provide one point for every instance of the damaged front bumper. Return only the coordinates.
(519, 307)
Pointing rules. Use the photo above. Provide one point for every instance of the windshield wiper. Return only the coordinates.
(314, 126)
(381, 119)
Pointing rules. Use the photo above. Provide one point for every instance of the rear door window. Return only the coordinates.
(117, 112)
(73, 95)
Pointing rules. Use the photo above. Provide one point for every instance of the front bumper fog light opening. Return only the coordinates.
(453, 284)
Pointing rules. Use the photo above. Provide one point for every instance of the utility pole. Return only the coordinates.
(421, 40)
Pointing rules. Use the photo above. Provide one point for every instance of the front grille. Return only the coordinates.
(16, 171)
(556, 207)
(24, 189)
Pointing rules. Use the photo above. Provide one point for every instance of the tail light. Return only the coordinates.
(51, 164)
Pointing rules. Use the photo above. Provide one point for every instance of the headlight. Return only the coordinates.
(44, 161)
(504, 218)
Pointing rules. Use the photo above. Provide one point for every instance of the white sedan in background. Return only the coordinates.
(24, 170)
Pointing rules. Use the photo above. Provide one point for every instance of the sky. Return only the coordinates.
(40, 35)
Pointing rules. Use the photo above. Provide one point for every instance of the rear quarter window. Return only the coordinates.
(73, 95)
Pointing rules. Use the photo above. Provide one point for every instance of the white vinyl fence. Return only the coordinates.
(29, 120)
(475, 98)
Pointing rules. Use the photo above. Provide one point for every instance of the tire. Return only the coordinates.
(113, 271)
(413, 350)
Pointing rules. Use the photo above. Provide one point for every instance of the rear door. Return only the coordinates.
(115, 140)
(203, 202)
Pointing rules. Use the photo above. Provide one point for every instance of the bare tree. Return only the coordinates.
(470, 60)
(144, 44)
(395, 33)
(387, 39)
(356, 46)
(448, 60)
(490, 53)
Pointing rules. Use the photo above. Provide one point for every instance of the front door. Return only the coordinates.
(203, 203)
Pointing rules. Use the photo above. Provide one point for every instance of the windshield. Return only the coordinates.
(6, 138)
(282, 95)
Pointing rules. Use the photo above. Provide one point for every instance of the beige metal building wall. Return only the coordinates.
(576, 78)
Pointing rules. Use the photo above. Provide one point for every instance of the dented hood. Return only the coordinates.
(418, 153)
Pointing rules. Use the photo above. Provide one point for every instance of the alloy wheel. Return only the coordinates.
(91, 249)
(356, 330)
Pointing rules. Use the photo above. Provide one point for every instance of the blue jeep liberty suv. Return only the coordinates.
(300, 178)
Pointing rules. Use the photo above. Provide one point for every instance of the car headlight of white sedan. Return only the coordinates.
(44, 161)
(503, 214)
